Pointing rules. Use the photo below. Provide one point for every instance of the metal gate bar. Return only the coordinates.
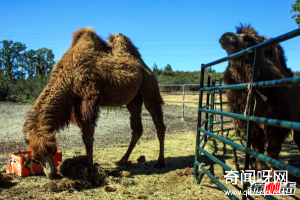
(249, 118)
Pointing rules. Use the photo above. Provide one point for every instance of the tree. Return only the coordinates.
(159, 71)
(168, 68)
(210, 70)
(296, 9)
(29, 63)
(1, 68)
(168, 71)
(44, 61)
(10, 55)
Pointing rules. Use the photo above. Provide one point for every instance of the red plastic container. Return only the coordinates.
(21, 163)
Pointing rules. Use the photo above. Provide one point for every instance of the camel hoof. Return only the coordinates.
(122, 162)
(54, 176)
(260, 166)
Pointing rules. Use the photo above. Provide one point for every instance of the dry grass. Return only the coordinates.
(189, 97)
(144, 181)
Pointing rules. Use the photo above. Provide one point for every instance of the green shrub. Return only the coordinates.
(4, 90)
(30, 88)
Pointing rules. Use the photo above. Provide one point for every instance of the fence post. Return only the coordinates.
(183, 94)
(221, 105)
(250, 113)
(197, 152)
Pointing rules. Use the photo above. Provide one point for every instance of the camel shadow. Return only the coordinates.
(182, 162)
(172, 164)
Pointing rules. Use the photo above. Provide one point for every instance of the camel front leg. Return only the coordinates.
(88, 139)
(85, 115)
(258, 145)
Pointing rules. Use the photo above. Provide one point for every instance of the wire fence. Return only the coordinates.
(183, 91)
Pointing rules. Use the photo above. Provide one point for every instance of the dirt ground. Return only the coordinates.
(112, 137)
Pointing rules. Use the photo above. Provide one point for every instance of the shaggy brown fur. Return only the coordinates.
(90, 74)
(282, 102)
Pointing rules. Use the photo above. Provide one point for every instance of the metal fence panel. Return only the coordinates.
(207, 130)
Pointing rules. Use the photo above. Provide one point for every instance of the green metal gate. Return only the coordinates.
(208, 109)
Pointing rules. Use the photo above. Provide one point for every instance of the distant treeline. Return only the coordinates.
(24, 73)
(168, 76)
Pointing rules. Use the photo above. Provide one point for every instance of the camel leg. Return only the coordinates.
(276, 137)
(155, 111)
(87, 134)
(296, 138)
(135, 109)
(258, 145)
(85, 115)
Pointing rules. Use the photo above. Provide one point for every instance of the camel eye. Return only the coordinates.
(250, 40)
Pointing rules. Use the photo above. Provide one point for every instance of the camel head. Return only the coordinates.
(244, 38)
(43, 148)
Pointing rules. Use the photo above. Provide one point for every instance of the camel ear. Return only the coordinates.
(111, 38)
(250, 40)
(239, 37)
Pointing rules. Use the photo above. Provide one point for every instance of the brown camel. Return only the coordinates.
(89, 75)
(271, 102)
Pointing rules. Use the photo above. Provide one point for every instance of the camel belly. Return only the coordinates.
(118, 91)
(117, 97)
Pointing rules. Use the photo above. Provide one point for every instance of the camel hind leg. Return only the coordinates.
(276, 136)
(156, 113)
(135, 109)
(153, 102)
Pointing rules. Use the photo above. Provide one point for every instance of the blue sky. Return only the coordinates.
(183, 34)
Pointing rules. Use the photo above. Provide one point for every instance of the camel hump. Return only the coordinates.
(80, 33)
(87, 37)
(120, 43)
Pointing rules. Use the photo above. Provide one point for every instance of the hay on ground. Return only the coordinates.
(187, 171)
(5, 180)
(80, 174)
